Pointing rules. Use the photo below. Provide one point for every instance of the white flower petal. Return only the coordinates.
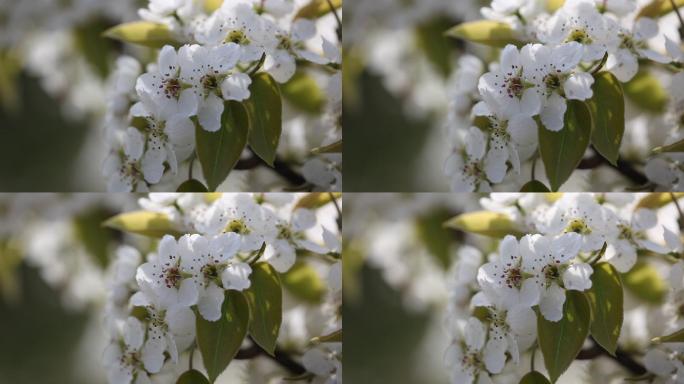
(236, 276)
(578, 277)
(578, 86)
(551, 303)
(209, 304)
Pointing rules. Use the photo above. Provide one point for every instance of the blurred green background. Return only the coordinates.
(38, 147)
(39, 342)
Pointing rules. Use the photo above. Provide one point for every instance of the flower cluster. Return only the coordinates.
(529, 88)
(496, 322)
(152, 117)
(154, 301)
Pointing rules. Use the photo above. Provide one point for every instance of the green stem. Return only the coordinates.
(600, 64)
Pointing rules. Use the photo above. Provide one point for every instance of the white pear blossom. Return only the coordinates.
(281, 60)
(291, 237)
(212, 266)
(505, 90)
(666, 364)
(237, 22)
(581, 214)
(550, 259)
(123, 168)
(240, 214)
(466, 166)
(506, 276)
(164, 87)
(131, 360)
(623, 63)
(173, 328)
(628, 237)
(473, 356)
(325, 361)
(510, 140)
(580, 21)
(553, 74)
(211, 74)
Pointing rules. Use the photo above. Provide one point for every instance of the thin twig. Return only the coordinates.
(280, 357)
(625, 168)
(337, 18)
(339, 211)
(621, 357)
(257, 66)
(192, 163)
(679, 208)
(600, 65)
(192, 353)
(279, 166)
(679, 16)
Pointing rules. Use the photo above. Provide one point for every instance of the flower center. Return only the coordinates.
(579, 35)
(284, 232)
(514, 87)
(130, 359)
(514, 277)
(630, 44)
(237, 226)
(551, 273)
(552, 82)
(172, 88)
(472, 169)
(237, 36)
(210, 271)
(172, 277)
(578, 226)
(210, 83)
(471, 361)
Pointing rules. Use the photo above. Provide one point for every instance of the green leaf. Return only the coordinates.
(219, 341)
(317, 8)
(657, 200)
(485, 223)
(304, 283)
(335, 147)
(192, 185)
(265, 300)
(608, 113)
(94, 237)
(265, 111)
(334, 337)
(554, 5)
(145, 33)
(315, 200)
(219, 151)
(562, 151)
(644, 282)
(303, 92)
(561, 341)
(646, 91)
(658, 8)
(534, 377)
(488, 32)
(436, 239)
(534, 186)
(192, 377)
(605, 298)
(676, 148)
(437, 48)
(212, 5)
(146, 223)
(10, 69)
(677, 337)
